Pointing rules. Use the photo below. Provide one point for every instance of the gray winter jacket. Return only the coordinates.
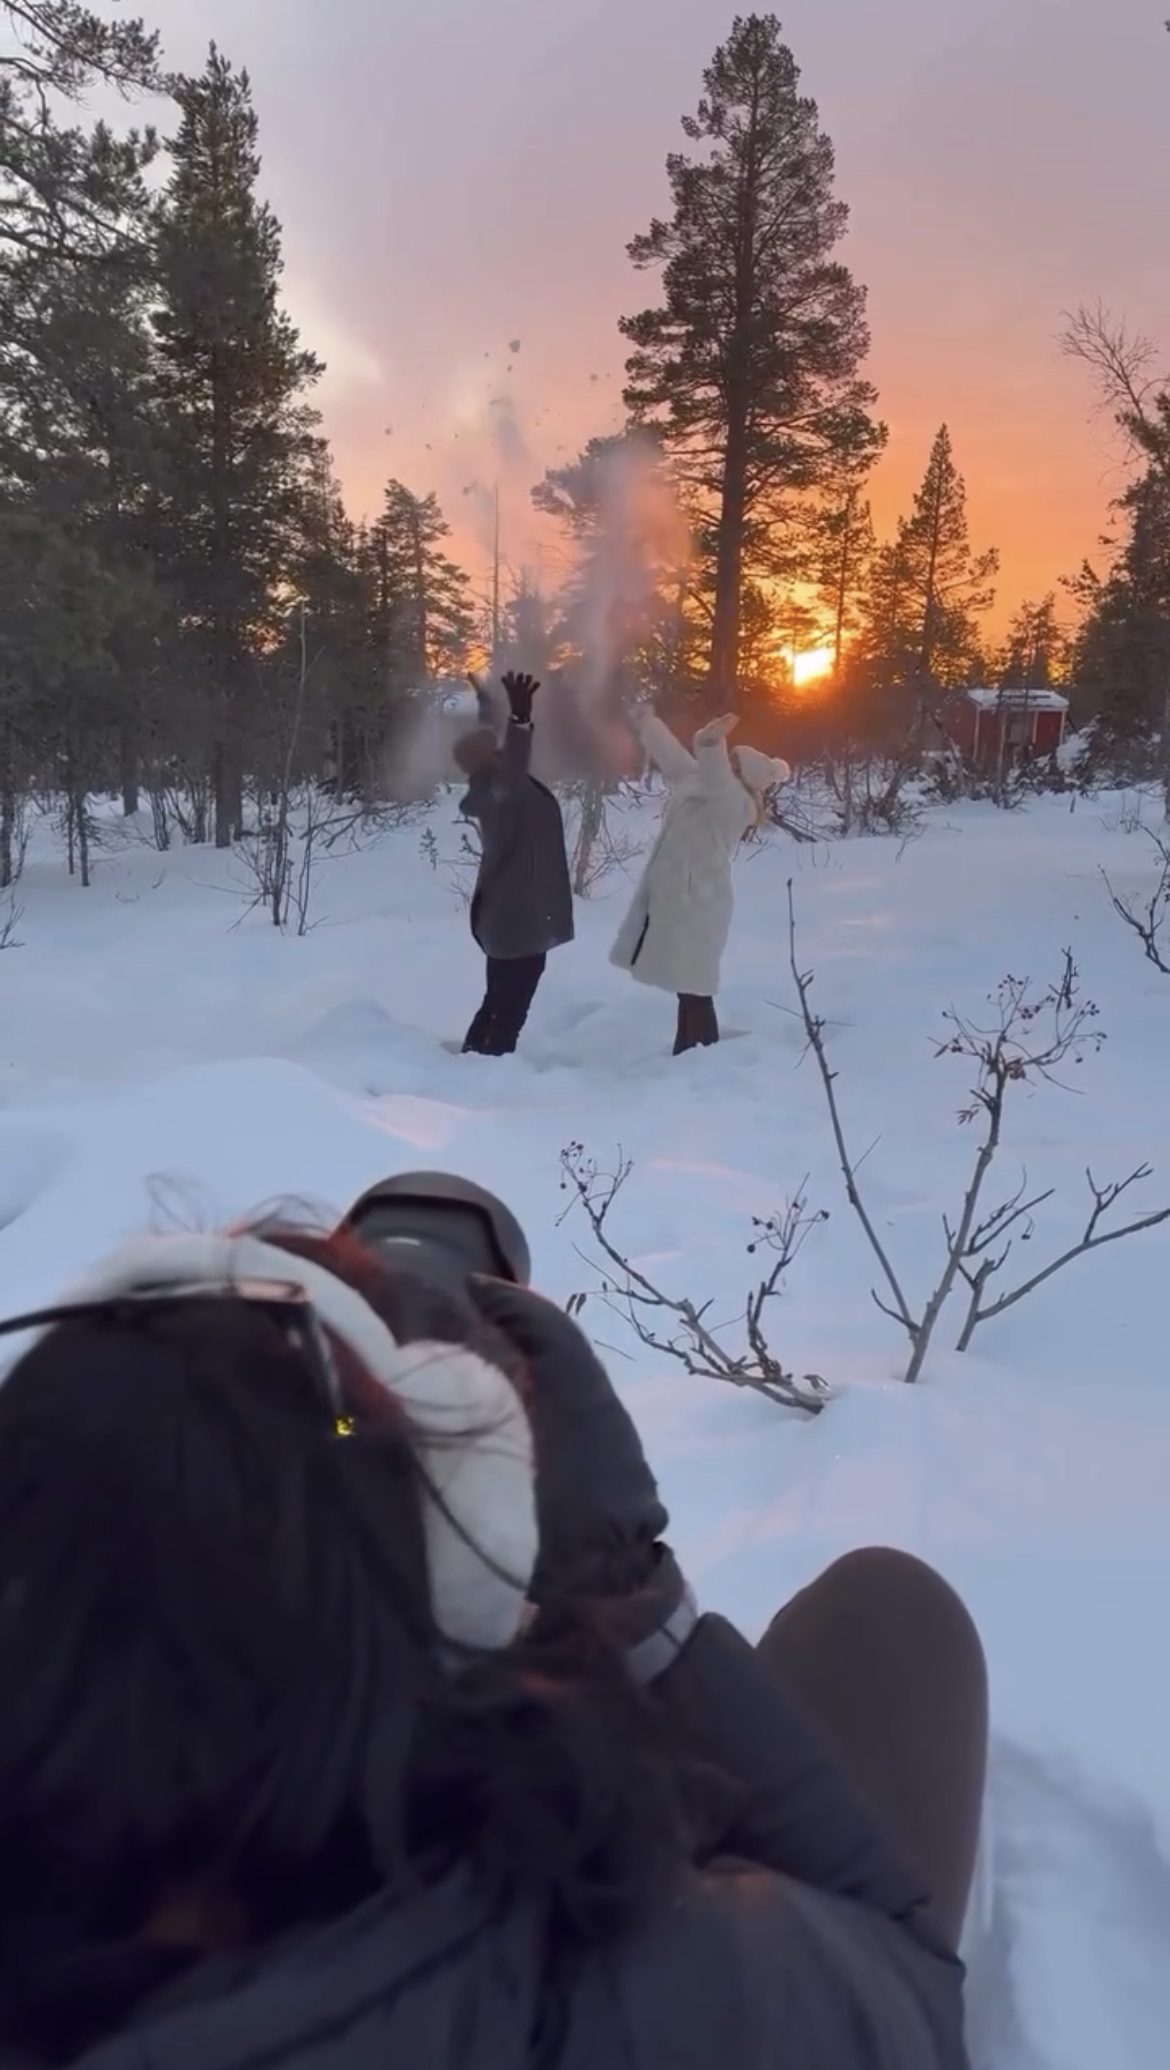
(523, 899)
(746, 1971)
(828, 1964)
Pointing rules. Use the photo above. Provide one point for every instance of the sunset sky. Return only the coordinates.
(453, 175)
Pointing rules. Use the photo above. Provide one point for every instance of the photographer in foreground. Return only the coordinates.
(849, 1749)
(312, 1751)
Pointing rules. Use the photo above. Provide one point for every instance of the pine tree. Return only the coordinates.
(1121, 662)
(928, 587)
(750, 365)
(423, 614)
(60, 610)
(1035, 654)
(64, 189)
(240, 440)
(74, 243)
(845, 547)
(530, 630)
(622, 602)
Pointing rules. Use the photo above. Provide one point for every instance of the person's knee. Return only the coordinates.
(884, 1575)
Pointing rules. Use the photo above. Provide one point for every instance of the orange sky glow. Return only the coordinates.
(455, 178)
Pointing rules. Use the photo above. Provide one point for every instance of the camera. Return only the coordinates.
(441, 1227)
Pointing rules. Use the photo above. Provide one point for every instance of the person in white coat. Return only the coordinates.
(676, 930)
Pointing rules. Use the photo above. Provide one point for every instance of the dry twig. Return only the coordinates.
(1031, 1036)
(693, 1340)
(1148, 921)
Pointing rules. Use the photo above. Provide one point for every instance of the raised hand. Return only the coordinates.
(483, 697)
(520, 691)
(717, 729)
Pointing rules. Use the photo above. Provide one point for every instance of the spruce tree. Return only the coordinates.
(423, 615)
(928, 587)
(625, 598)
(64, 188)
(240, 441)
(1035, 652)
(1121, 663)
(845, 547)
(750, 365)
(74, 249)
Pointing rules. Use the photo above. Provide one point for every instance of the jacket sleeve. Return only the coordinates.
(516, 754)
(798, 1811)
(668, 755)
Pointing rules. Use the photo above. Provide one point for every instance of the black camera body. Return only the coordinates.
(442, 1228)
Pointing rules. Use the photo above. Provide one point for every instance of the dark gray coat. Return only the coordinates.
(824, 1965)
(523, 899)
(747, 1971)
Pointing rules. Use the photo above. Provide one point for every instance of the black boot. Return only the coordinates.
(698, 1023)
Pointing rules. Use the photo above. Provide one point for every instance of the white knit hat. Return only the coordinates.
(761, 773)
(470, 1428)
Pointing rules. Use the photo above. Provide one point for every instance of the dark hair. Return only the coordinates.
(217, 1648)
(476, 750)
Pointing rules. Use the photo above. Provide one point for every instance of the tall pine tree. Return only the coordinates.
(750, 366)
(928, 587)
(74, 249)
(624, 600)
(844, 553)
(1122, 651)
(423, 614)
(240, 439)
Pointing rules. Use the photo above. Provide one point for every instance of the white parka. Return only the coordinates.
(676, 929)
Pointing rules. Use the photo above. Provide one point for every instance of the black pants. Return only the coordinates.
(698, 1023)
(886, 1656)
(511, 989)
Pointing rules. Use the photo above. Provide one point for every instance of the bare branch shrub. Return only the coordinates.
(1129, 817)
(1125, 368)
(1031, 1035)
(679, 1328)
(871, 794)
(11, 915)
(350, 828)
(458, 871)
(597, 848)
(1148, 921)
(981, 1260)
(298, 823)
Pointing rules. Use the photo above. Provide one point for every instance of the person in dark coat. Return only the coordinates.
(313, 1754)
(522, 905)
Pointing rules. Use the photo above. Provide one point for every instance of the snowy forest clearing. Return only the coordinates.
(148, 1037)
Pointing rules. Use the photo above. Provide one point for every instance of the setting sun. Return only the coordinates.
(812, 666)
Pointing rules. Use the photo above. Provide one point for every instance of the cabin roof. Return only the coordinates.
(1012, 698)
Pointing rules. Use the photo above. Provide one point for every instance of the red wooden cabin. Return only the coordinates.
(994, 728)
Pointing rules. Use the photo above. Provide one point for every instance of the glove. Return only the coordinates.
(598, 1505)
(520, 691)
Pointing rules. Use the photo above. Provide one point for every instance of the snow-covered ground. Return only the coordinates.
(156, 1046)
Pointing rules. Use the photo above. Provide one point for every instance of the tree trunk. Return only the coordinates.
(131, 766)
(8, 812)
(81, 821)
(588, 833)
(227, 794)
(729, 567)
